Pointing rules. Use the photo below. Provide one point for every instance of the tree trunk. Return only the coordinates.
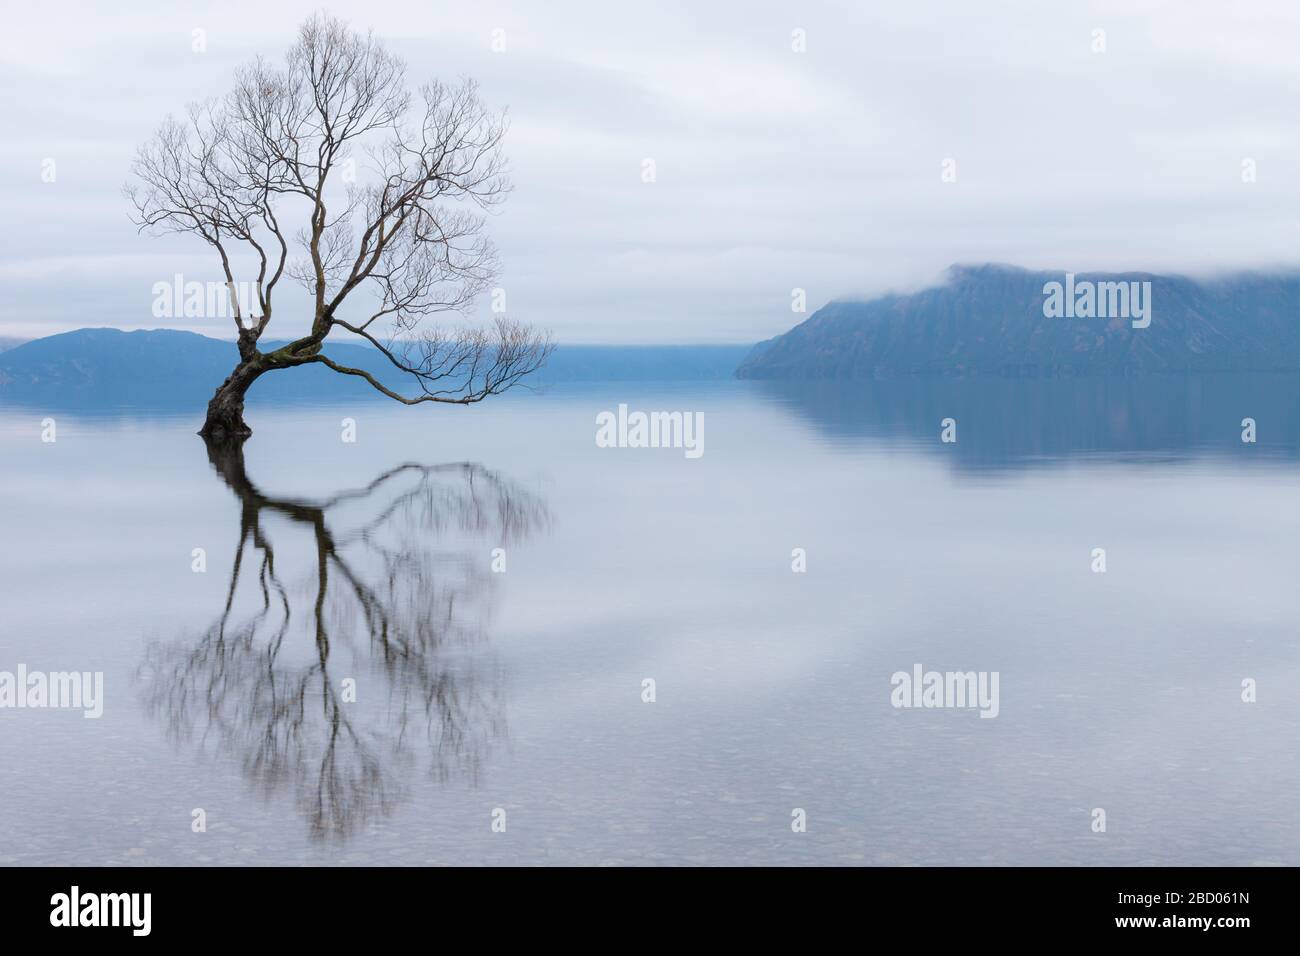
(225, 421)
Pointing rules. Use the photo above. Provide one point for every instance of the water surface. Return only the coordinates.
(372, 562)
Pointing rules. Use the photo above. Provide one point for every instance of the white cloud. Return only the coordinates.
(775, 169)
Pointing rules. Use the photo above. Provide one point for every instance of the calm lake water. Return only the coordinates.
(477, 690)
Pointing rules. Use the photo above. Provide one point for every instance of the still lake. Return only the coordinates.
(383, 680)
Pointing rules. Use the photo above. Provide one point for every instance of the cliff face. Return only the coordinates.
(990, 320)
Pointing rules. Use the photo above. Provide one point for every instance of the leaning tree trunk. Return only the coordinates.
(225, 419)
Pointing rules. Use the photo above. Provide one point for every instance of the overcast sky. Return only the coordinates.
(775, 169)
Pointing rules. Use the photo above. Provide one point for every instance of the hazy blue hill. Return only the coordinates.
(112, 361)
(157, 366)
(989, 320)
(161, 368)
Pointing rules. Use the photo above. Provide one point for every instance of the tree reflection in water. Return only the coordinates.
(397, 599)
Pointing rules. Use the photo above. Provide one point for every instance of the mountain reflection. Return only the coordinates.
(392, 596)
(1015, 422)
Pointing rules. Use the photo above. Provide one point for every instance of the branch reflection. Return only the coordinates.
(333, 685)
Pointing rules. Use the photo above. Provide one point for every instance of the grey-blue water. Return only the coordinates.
(376, 692)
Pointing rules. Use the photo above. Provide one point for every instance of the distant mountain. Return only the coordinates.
(989, 320)
(126, 365)
(7, 343)
(162, 367)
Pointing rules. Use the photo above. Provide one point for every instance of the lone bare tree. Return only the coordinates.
(286, 140)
